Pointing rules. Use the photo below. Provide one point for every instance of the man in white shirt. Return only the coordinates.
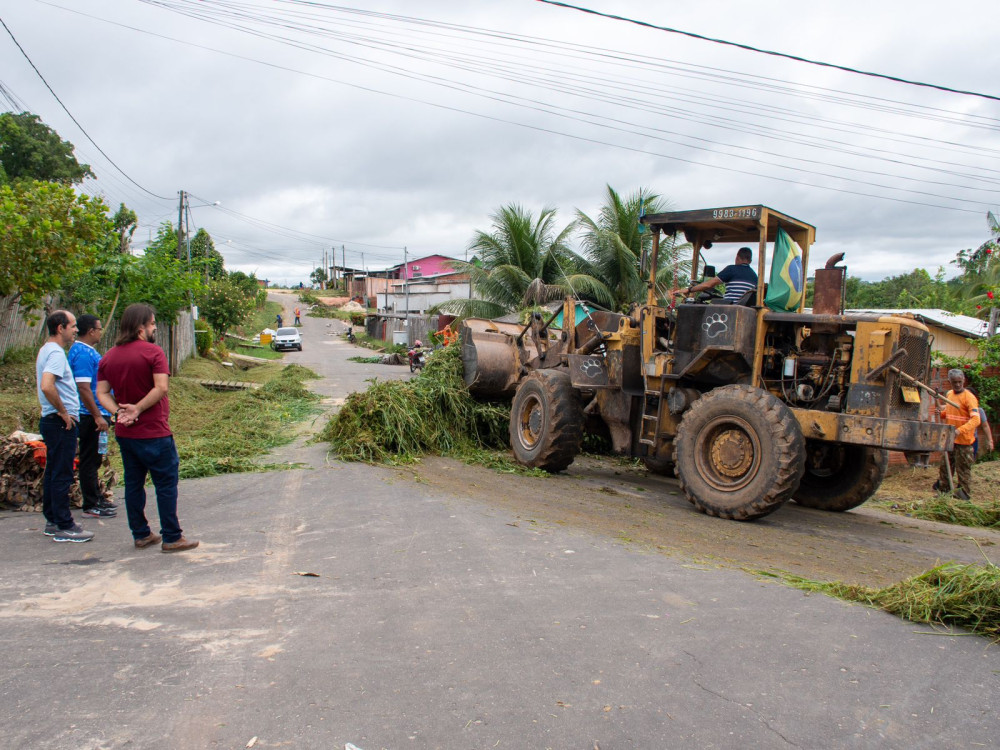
(60, 404)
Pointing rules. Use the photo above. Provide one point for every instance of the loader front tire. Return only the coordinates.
(740, 453)
(546, 421)
(839, 477)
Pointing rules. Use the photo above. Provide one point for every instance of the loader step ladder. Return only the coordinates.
(651, 421)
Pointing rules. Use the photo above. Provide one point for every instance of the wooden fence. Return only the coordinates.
(176, 339)
(384, 326)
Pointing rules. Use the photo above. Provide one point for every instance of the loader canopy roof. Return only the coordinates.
(740, 224)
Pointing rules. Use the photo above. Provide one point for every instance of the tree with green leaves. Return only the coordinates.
(225, 304)
(615, 241)
(205, 259)
(31, 150)
(318, 276)
(979, 283)
(49, 237)
(522, 263)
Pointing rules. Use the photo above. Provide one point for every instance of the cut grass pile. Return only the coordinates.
(908, 492)
(225, 432)
(953, 594)
(397, 421)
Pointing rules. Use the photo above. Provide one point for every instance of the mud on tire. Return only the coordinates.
(839, 477)
(740, 453)
(546, 421)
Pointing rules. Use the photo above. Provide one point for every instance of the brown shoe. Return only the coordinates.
(146, 541)
(180, 545)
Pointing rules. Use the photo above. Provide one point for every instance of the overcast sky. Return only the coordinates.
(394, 124)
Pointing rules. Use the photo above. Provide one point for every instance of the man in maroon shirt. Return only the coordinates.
(132, 381)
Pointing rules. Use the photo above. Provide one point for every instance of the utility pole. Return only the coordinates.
(180, 223)
(994, 320)
(406, 288)
(343, 262)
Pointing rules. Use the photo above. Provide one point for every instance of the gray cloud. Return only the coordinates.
(353, 166)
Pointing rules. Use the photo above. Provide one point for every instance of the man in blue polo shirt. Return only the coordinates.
(60, 404)
(83, 359)
(739, 278)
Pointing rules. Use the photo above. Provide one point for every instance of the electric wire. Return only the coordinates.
(75, 121)
(749, 48)
(537, 128)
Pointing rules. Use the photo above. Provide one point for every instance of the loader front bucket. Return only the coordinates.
(490, 356)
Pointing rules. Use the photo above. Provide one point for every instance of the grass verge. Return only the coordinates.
(226, 432)
(264, 352)
(953, 595)
(397, 421)
(261, 319)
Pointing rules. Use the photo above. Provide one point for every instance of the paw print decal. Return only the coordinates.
(715, 324)
(591, 367)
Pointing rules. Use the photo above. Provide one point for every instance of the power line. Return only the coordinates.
(66, 109)
(773, 53)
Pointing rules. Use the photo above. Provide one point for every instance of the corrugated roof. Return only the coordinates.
(960, 324)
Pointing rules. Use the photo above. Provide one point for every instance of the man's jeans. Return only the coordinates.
(60, 450)
(90, 462)
(156, 457)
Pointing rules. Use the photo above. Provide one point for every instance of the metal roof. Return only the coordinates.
(961, 324)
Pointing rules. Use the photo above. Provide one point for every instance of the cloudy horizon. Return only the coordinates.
(366, 130)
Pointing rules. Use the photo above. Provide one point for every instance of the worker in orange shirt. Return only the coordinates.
(965, 420)
(447, 335)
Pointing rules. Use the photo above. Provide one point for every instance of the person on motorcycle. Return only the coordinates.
(416, 356)
(739, 278)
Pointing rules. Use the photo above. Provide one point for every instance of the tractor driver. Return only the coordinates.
(739, 278)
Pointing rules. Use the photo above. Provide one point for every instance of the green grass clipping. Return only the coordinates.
(953, 594)
(433, 413)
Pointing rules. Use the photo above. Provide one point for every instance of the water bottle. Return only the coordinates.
(102, 442)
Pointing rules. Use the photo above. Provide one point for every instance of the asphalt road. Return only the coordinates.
(439, 619)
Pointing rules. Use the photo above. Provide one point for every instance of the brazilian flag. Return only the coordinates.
(785, 287)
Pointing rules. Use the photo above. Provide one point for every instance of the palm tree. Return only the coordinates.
(523, 262)
(614, 244)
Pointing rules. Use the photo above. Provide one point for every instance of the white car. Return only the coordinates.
(287, 338)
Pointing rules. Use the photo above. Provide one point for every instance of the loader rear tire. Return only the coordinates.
(839, 477)
(546, 421)
(740, 453)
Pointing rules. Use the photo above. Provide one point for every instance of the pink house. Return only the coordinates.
(429, 265)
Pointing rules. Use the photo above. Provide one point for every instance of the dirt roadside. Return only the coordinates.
(603, 496)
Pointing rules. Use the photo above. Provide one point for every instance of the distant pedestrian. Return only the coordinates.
(278, 319)
(298, 312)
(60, 402)
(94, 419)
(132, 382)
(965, 419)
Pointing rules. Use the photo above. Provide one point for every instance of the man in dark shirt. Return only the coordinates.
(739, 278)
(132, 382)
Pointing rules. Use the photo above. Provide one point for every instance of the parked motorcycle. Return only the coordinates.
(417, 357)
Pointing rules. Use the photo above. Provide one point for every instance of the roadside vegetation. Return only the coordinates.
(396, 422)
(217, 432)
(225, 432)
(949, 595)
